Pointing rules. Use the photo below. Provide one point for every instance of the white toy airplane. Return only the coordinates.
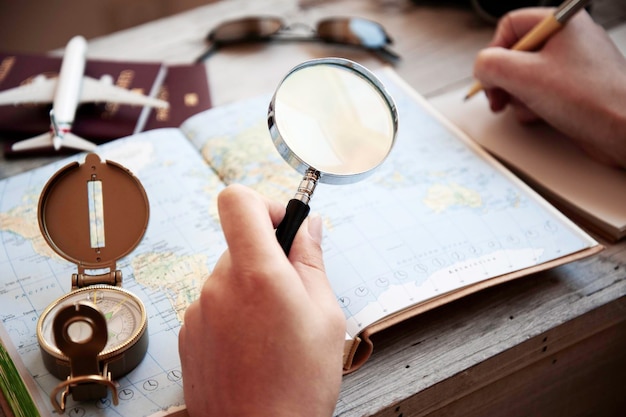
(65, 93)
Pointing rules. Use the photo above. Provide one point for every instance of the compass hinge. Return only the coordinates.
(110, 278)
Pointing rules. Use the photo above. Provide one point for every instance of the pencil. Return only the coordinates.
(541, 33)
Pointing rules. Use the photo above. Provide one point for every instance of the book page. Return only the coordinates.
(182, 243)
(547, 159)
(439, 215)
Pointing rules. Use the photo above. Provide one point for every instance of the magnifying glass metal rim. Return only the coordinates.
(298, 207)
(298, 163)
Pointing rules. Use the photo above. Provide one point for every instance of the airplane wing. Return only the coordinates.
(41, 90)
(94, 90)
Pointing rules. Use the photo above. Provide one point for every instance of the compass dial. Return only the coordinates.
(125, 317)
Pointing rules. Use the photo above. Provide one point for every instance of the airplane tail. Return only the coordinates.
(45, 140)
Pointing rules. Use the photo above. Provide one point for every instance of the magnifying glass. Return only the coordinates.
(332, 120)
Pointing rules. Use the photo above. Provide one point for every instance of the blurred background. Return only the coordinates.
(44, 25)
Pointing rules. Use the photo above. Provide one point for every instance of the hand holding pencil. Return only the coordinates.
(542, 32)
(576, 83)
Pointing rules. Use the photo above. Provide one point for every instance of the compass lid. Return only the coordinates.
(93, 213)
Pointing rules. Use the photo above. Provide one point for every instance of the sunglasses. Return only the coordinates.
(358, 32)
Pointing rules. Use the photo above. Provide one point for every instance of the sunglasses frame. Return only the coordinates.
(251, 33)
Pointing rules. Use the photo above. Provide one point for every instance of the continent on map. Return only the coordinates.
(22, 221)
(441, 197)
(180, 277)
(254, 162)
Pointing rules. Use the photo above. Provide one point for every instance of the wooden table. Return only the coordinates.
(550, 344)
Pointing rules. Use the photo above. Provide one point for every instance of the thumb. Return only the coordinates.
(307, 258)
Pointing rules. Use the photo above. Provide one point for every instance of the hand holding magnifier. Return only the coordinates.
(336, 125)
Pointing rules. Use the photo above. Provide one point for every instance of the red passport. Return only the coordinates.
(96, 122)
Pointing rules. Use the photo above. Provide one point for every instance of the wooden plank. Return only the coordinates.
(446, 342)
(564, 371)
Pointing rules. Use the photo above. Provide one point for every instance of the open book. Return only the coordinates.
(440, 219)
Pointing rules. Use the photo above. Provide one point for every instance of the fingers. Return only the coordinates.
(515, 72)
(248, 222)
(182, 333)
(495, 64)
(514, 25)
(521, 78)
(307, 259)
(306, 249)
(522, 113)
(498, 99)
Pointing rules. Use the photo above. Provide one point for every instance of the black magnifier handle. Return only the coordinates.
(297, 210)
(295, 214)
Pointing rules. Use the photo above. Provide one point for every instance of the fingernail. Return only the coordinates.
(315, 227)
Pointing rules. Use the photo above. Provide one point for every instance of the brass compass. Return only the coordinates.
(92, 214)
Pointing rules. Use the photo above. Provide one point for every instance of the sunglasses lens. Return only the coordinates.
(361, 32)
(245, 29)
